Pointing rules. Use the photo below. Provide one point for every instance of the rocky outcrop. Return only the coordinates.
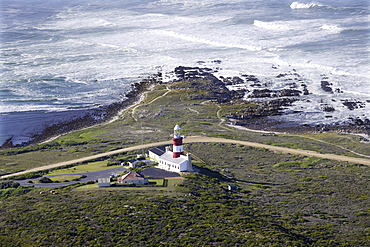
(325, 85)
(328, 109)
(351, 105)
(208, 85)
(260, 110)
(267, 93)
(195, 73)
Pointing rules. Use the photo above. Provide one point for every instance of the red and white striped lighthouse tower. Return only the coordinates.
(177, 142)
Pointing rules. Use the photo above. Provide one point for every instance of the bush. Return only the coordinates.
(8, 184)
(45, 180)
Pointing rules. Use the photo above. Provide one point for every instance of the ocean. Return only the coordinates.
(63, 56)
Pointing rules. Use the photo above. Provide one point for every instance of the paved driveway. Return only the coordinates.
(153, 172)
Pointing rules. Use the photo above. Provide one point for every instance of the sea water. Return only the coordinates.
(62, 56)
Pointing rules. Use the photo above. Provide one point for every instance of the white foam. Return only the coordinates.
(93, 45)
(206, 41)
(298, 5)
(332, 28)
(272, 25)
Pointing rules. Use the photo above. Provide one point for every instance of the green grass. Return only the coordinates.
(90, 167)
(65, 178)
(351, 142)
(305, 163)
(158, 182)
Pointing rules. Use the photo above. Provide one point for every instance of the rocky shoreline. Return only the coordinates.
(268, 103)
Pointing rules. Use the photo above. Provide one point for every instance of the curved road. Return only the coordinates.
(198, 139)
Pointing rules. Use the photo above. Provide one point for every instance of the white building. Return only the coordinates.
(175, 160)
(104, 182)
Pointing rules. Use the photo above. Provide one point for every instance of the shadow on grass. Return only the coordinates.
(214, 174)
(256, 183)
(222, 178)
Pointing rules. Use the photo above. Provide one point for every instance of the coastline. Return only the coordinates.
(265, 121)
(266, 126)
(96, 124)
(87, 118)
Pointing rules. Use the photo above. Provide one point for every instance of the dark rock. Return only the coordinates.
(261, 93)
(289, 92)
(351, 105)
(292, 85)
(325, 86)
(7, 144)
(328, 109)
(263, 109)
(281, 75)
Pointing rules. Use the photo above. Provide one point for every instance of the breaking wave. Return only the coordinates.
(332, 28)
(271, 25)
(298, 5)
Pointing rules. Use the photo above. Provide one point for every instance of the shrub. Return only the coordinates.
(45, 180)
(8, 184)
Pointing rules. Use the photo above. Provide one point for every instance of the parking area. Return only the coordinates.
(153, 172)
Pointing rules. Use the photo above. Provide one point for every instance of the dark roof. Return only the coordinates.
(158, 150)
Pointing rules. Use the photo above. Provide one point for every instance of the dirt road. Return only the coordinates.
(195, 139)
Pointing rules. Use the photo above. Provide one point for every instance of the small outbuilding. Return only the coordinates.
(232, 187)
(132, 178)
(104, 182)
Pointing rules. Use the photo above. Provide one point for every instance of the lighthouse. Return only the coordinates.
(175, 160)
(177, 142)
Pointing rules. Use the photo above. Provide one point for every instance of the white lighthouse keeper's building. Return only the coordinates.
(174, 160)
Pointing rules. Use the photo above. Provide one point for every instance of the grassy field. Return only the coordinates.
(65, 178)
(90, 167)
